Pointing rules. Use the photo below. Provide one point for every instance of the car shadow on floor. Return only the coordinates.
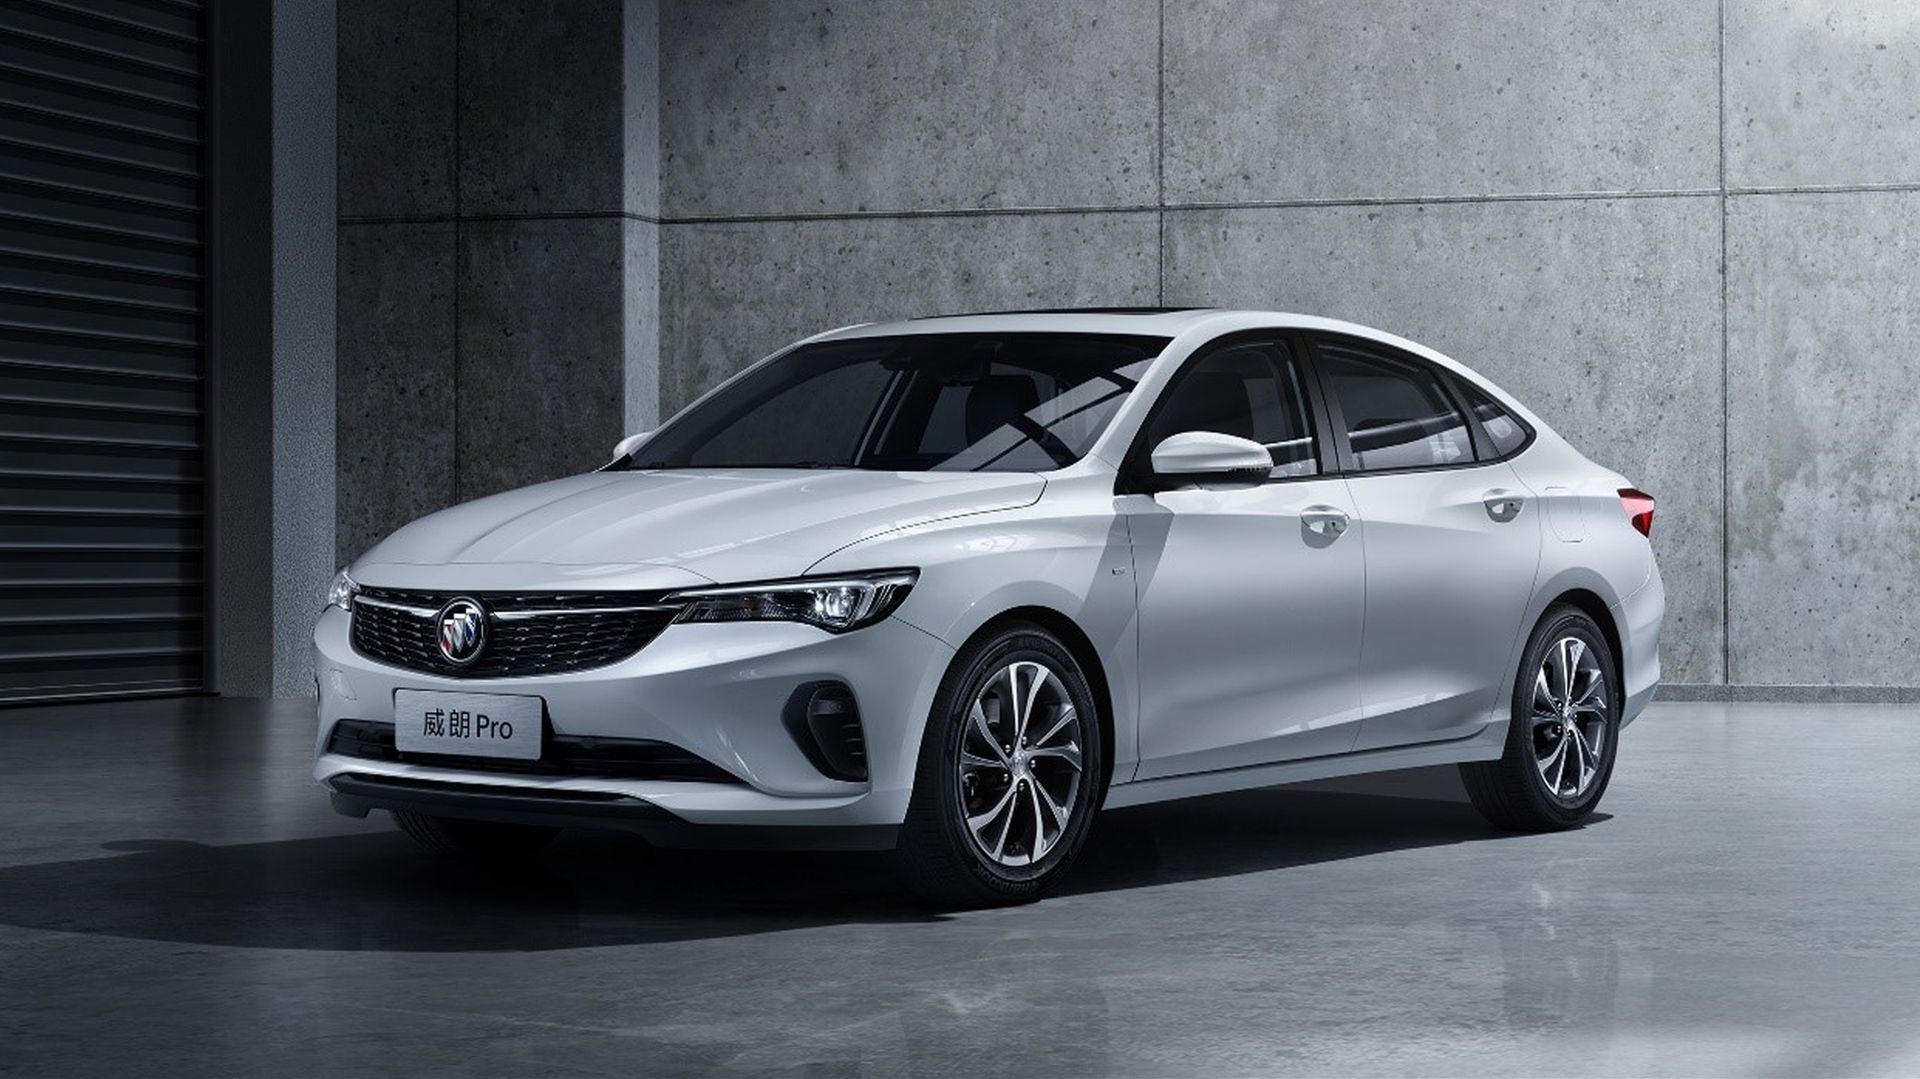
(377, 892)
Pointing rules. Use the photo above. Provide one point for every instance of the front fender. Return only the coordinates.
(1072, 557)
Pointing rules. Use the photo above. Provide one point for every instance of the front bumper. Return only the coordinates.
(716, 691)
(356, 794)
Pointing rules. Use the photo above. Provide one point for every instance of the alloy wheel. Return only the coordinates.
(1569, 718)
(1020, 764)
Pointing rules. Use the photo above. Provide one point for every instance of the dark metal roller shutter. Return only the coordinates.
(101, 358)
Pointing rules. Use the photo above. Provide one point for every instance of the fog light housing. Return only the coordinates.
(824, 721)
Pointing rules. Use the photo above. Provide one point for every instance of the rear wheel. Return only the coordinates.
(475, 840)
(1009, 774)
(1562, 738)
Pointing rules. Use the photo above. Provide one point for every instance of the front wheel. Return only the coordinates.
(1564, 731)
(1009, 774)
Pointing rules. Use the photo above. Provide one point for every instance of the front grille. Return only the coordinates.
(569, 756)
(527, 633)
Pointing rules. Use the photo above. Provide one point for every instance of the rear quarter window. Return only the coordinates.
(1505, 431)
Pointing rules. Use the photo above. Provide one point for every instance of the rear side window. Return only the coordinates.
(1251, 390)
(1506, 432)
(1397, 412)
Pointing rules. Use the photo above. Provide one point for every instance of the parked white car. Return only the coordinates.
(947, 587)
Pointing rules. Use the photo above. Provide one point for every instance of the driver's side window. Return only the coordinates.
(1253, 390)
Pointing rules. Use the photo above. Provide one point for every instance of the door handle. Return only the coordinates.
(1324, 521)
(1502, 505)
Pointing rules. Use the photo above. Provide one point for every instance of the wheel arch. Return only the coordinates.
(1589, 603)
(1080, 646)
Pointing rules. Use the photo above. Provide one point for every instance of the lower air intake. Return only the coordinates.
(824, 721)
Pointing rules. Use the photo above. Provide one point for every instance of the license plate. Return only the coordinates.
(467, 724)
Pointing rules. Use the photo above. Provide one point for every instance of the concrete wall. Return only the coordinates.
(822, 165)
(1682, 229)
(1546, 191)
(497, 247)
(273, 342)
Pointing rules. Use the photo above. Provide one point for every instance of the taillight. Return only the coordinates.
(1639, 507)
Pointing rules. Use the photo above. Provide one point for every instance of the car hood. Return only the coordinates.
(677, 528)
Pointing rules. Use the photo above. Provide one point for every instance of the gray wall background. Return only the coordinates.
(273, 469)
(1683, 230)
(498, 234)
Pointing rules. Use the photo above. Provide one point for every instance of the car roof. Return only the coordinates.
(1151, 321)
(1169, 322)
(1156, 321)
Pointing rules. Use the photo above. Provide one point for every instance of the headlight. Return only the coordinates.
(835, 604)
(341, 592)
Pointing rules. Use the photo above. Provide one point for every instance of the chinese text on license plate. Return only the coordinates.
(467, 724)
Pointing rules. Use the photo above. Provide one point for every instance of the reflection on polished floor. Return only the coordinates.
(176, 898)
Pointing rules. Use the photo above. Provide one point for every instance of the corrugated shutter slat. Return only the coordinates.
(102, 516)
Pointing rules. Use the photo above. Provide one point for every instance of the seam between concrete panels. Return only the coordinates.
(956, 211)
(1175, 207)
(1137, 208)
(457, 218)
(1827, 189)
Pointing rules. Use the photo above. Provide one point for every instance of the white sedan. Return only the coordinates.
(944, 588)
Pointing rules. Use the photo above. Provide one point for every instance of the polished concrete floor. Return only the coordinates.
(176, 898)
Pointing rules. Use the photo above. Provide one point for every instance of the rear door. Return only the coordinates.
(1452, 544)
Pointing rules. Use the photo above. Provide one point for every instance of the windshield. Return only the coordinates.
(1010, 402)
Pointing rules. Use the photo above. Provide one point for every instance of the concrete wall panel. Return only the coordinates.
(396, 416)
(1331, 99)
(770, 107)
(272, 343)
(1823, 326)
(734, 292)
(641, 298)
(640, 95)
(306, 202)
(396, 113)
(541, 350)
(542, 106)
(1603, 315)
(1822, 92)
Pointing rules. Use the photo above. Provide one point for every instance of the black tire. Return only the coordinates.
(476, 840)
(1511, 792)
(937, 856)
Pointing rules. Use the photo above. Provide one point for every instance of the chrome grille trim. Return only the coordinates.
(418, 612)
(515, 616)
(529, 634)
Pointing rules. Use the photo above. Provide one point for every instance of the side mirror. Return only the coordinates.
(1209, 455)
(629, 444)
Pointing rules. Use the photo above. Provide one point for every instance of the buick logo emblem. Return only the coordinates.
(463, 630)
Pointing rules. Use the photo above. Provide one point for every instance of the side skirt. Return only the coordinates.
(1484, 745)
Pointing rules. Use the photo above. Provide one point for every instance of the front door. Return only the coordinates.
(1250, 597)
